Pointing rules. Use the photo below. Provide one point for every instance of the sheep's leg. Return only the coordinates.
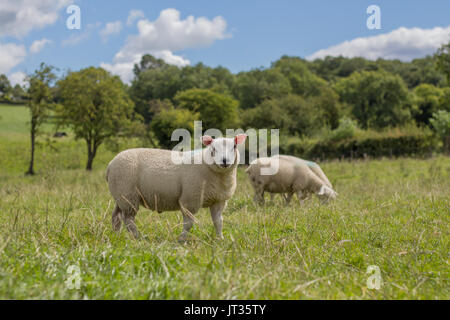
(216, 215)
(302, 196)
(288, 198)
(272, 196)
(259, 197)
(188, 222)
(116, 218)
(131, 226)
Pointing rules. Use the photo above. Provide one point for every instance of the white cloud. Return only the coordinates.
(38, 45)
(19, 17)
(133, 16)
(168, 33)
(403, 44)
(11, 55)
(110, 28)
(17, 78)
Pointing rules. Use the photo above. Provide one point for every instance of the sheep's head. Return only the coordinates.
(223, 153)
(325, 194)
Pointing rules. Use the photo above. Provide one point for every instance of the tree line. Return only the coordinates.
(304, 99)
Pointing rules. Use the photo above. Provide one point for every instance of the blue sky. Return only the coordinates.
(249, 33)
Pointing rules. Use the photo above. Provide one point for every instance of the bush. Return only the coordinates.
(441, 124)
(347, 129)
(390, 143)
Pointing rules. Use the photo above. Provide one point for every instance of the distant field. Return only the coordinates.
(393, 214)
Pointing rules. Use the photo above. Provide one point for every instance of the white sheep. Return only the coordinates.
(151, 178)
(294, 175)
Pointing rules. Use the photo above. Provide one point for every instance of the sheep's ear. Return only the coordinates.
(207, 140)
(322, 190)
(240, 138)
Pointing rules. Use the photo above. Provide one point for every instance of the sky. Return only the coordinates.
(239, 35)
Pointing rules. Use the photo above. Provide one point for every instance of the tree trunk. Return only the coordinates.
(92, 150)
(33, 138)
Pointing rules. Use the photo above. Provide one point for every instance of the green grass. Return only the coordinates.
(390, 213)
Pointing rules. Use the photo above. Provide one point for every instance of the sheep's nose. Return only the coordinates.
(224, 163)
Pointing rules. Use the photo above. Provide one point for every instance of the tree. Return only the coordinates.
(96, 106)
(444, 101)
(168, 119)
(18, 93)
(148, 62)
(155, 79)
(303, 82)
(253, 87)
(160, 82)
(216, 110)
(427, 99)
(441, 123)
(292, 114)
(377, 99)
(39, 103)
(5, 85)
(443, 60)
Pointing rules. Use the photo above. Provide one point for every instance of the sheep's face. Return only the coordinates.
(223, 152)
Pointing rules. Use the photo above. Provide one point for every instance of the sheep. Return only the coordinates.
(294, 175)
(151, 178)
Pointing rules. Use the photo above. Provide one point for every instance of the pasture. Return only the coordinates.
(391, 213)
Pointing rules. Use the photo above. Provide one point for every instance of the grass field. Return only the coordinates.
(393, 214)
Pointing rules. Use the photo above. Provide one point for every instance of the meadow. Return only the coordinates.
(391, 213)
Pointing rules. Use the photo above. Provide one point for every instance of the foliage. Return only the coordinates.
(303, 82)
(441, 124)
(347, 129)
(40, 100)
(5, 85)
(216, 110)
(427, 99)
(292, 114)
(378, 99)
(169, 119)
(443, 60)
(399, 142)
(253, 87)
(154, 79)
(96, 106)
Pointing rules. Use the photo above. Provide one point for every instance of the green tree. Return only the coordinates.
(96, 106)
(443, 60)
(216, 110)
(292, 114)
(441, 123)
(253, 87)
(303, 82)
(18, 93)
(427, 99)
(40, 101)
(157, 80)
(377, 99)
(5, 85)
(168, 119)
(444, 101)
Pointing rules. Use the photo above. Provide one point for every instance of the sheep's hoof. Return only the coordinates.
(182, 238)
(220, 237)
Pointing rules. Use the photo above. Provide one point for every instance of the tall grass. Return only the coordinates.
(390, 213)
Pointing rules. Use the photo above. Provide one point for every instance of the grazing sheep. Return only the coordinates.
(294, 176)
(150, 177)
